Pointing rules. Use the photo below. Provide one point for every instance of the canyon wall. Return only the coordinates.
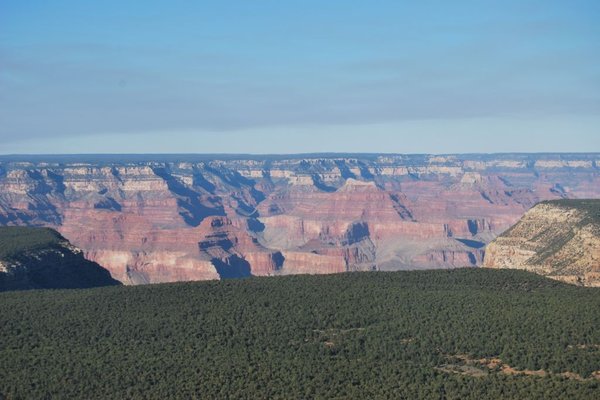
(559, 239)
(189, 217)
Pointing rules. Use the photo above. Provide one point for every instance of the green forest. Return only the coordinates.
(457, 334)
(17, 239)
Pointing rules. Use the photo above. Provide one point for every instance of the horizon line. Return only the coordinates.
(300, 153)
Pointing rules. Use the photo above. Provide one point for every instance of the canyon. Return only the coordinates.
(166, 218)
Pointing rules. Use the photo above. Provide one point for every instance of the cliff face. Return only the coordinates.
(559, 239)
(172, 218)
(50, 263)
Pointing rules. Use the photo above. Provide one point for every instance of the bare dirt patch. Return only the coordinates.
(466, 365)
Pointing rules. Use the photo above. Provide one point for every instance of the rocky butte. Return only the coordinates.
(190, 217)
(559, 239)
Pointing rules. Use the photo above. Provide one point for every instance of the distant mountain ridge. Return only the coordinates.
(39, 258)
(559, 239)
(407, 158)
(163, 218)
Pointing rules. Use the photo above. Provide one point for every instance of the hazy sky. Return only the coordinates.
(272, 76)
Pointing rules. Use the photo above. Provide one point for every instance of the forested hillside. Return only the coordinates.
(461, 334)
(15, 240)
(40, 258)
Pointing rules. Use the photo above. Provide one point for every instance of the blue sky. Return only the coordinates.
(268, 76)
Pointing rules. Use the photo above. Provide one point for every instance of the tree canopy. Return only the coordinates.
(459, 334)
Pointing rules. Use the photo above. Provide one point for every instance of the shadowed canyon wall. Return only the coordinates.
(173, 218)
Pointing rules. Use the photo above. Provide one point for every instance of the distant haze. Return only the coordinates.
(299, 76)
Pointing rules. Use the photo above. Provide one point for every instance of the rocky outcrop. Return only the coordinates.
(170, 218)
(51, 264)
(559, 239)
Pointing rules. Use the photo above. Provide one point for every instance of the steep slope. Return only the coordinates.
(165, 218)
(39, 258)
(559, 239)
